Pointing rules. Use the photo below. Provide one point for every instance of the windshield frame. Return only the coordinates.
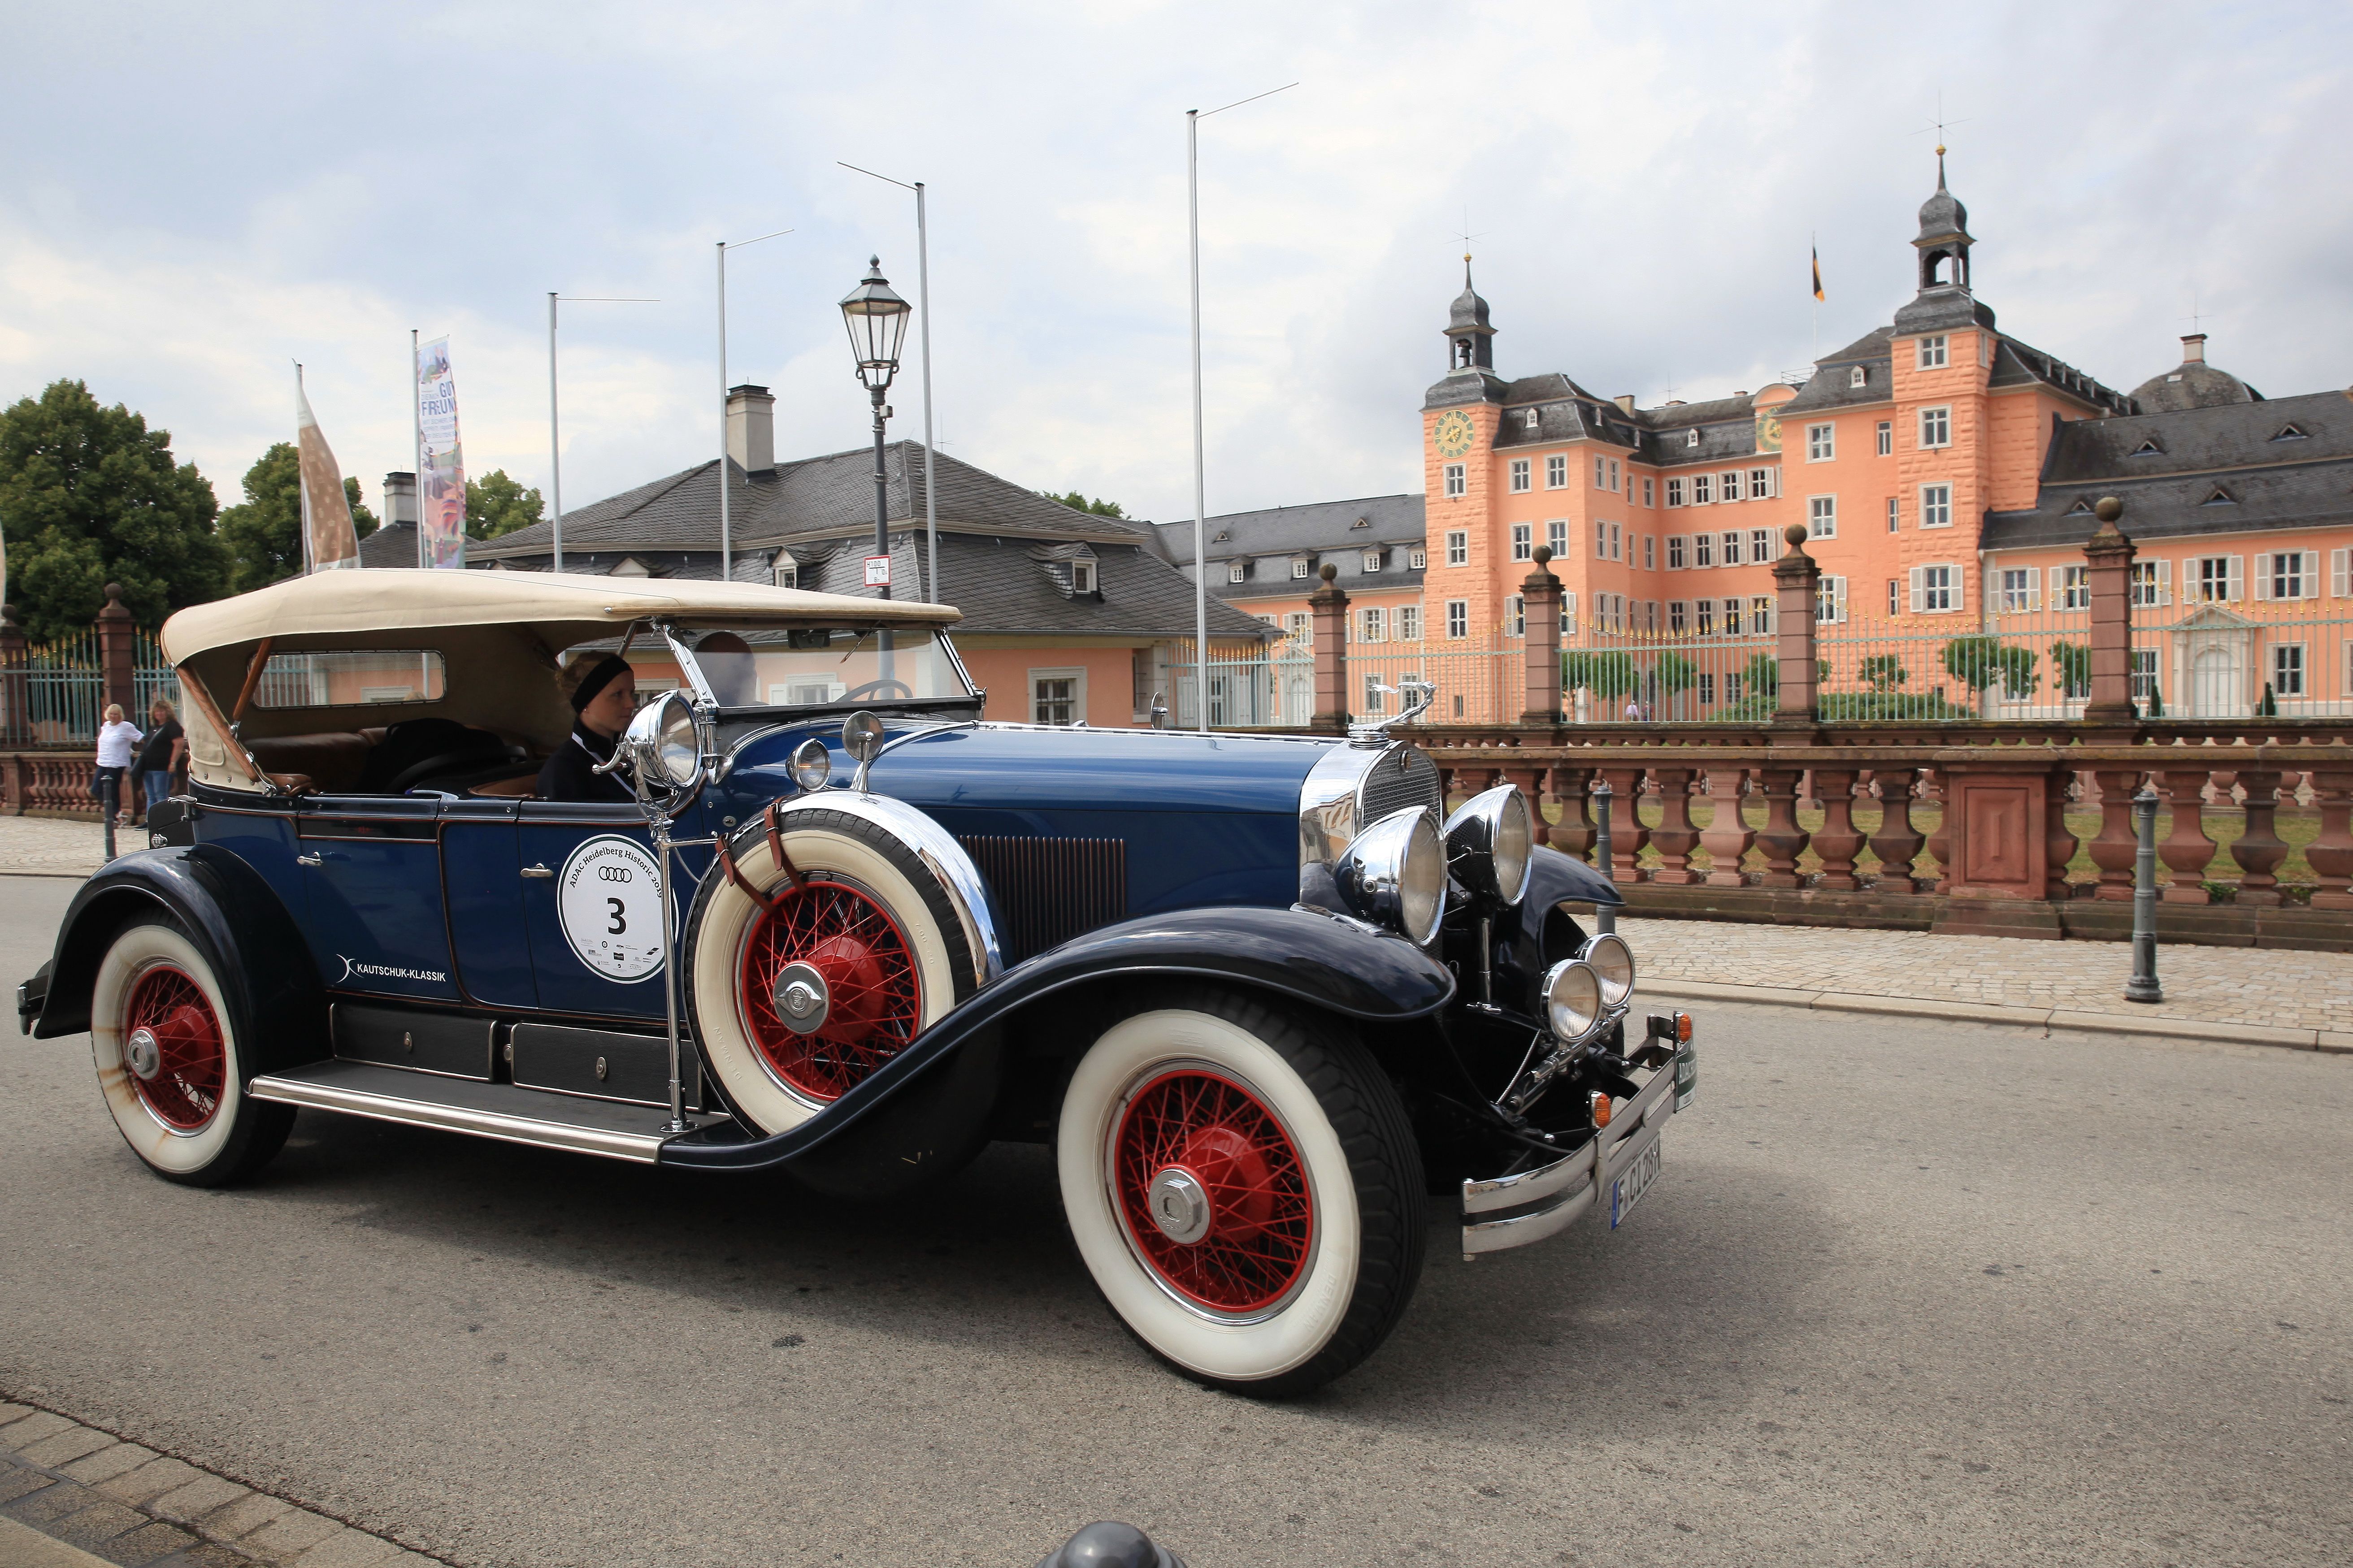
(706, 694)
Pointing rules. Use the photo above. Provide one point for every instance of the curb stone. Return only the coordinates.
(2326, 1041)
(73, 1495)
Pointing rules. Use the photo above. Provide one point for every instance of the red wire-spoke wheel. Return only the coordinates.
(829, 988)
(174, 1049)
(1213, 1192)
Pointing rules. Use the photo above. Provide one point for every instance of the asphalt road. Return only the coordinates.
(1949, 1295)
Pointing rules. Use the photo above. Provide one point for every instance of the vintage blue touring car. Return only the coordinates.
(1256, 995)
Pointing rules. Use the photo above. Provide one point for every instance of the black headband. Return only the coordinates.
(602, 676)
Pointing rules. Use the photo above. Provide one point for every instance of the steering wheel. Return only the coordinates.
(874, 689)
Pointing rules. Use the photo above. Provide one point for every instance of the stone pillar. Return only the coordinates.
(1540, 593)
(114, 651)
(1795, 577)
(2113, 851)
(1897, 843)
(1674, 837)
(1727, 836)
(2109, 555)
(1328, 606)
(2186, 851)
(2260, 850)
(1782, 838)
(1838, 841)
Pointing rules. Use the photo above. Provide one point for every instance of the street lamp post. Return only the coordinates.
(876, 319)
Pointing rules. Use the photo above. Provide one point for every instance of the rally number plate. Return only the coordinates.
(1628, 1189)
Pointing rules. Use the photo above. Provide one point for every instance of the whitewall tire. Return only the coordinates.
(1240, 1181)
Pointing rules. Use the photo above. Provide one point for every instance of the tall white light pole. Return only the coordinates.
(1193, 117)
(554, 443)
(924, 321)
(726, 531)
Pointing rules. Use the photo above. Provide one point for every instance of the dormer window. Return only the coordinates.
(1856, 377)
(1083, 576)
(1362, 522)
(1238, 573)
(1531, 419)
(1222, 535)
(1417, 560)
(786, 570)
(1371, 560)
(2289, 433)
(2220, 498)
(1299, 568)
(2083, 508)
(2147, 449)
(1690, 437)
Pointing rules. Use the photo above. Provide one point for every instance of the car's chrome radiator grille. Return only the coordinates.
(1050, 889)
(1403, 776)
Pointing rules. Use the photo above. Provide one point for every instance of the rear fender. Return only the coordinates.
(1333, 965)
(257, 953)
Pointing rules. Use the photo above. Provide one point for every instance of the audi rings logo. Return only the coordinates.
(615, 874)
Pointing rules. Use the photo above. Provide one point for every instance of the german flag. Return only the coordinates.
(1817, 273)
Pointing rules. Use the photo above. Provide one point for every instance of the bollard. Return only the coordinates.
(2143, 985)
(1605, 916)
(1110, 1544)
(109, 792)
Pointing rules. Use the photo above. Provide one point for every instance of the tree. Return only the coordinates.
(264, 531)
(1885, 672)
(90, 496)
(2072, 663)
(1981, 661)
(496, 504)
(1077, 502)
(1608, 675)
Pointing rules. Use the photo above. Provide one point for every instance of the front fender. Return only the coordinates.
(257, 953)
(1334, 966)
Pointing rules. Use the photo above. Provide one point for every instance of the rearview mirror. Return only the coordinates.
(861, 737)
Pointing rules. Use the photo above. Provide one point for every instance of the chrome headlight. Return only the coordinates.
(1490, 845)
(1613, 965)
(812, 765)
(1572, 996)
(1394, 874)
(678, 741)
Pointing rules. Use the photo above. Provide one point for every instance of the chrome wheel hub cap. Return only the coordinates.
(1180, 1205)
(801, 997)
(144, 1055)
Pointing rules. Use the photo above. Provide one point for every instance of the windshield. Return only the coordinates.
(814, 668)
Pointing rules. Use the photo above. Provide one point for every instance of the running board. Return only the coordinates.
(500, 1111)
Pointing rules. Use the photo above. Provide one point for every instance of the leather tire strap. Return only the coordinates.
(776, 847)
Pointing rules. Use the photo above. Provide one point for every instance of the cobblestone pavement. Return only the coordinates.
(116, 1502)
(56, 846)
(2271, 987)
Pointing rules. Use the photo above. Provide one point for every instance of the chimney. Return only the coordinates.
(2193, 348)
(400, 499)
(1625, 402)
(752, 428)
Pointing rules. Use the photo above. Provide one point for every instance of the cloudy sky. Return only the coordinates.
(192, 197)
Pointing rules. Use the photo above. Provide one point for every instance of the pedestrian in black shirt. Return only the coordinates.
(161, 756)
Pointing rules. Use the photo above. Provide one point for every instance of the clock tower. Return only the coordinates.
(1460, 417)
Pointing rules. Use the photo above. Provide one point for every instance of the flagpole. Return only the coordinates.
(301, 491)
(726, 532)
(555, 447)
(415, 450)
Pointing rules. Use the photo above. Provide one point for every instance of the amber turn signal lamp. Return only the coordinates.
(1682, 1028)
(1600, 1109)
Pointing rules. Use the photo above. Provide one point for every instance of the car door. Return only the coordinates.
(372, 882)
(591, 906)
(482, 884)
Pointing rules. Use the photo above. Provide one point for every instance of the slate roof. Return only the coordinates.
(2193, 384)
(1320, 530)
(1831, 387)
(2237, 450)
(393, 544)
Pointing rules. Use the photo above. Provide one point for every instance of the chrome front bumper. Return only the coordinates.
(1513, 1211)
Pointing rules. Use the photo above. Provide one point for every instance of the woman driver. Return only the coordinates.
(604, 697)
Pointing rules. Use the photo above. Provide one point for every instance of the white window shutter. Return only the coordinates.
(2263, 576)
(1919, 592)
(2310, 574)
(2033, 589)
(2165, 582)
(2234, 584)
(1838, 598)
(2337, 560)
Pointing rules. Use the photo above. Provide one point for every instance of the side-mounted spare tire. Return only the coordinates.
(803, 976)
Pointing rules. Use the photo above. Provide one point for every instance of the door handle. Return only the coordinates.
(308, 860)
(537, 871)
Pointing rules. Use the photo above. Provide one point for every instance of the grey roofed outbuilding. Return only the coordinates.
(1005, 551)
(1272, 538)
(2229, 470)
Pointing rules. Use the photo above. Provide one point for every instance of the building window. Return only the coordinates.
(1732, 617)
(1371, 560)
(1516, 616)
(1674, 492)
(1760, 545)
(1556, 472)
(1600, 540)
(1895, 521)
(1531, 419)
(1556, 535)
(1616, 542)
(2143, 673)
(1524, 541)
(1372, 626)
(1935, 590)
(1238, 571)
(1417, 560)
(1613, 476)
(2291, 573)
(2287, 669)
(2016, 591)
(1567, 613)
(1822, 443)
(1372, 693)
(1760, 615)
(1760, 483)
(1522, 477)
(787, 571)
(1457, 617)
(1855, 377)
(1931, 352)
(1821, 516)
(1458, 547)
(1677, 543)
(1829, 600)
(1690, 437)
(2152, 583)
(1299, 567)
(1600, 475)
(1703, 549)
(1727, 485)
(1705, 623)
(2217, 577)
(1937, 426)
(1458, 481)
(1647, 492)
(1083, 576)
(1702, 488)
(1299, 627)
(2074, 588)
(1891, 595)
(1058, 696)
(1678, 616)
(1408, 623)
(1936, 506)
(1730, 543)
(1649, 552)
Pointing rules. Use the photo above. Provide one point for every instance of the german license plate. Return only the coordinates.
(1628, 1189)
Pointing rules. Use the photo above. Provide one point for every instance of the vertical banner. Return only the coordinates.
(328, 537)
(441, 472)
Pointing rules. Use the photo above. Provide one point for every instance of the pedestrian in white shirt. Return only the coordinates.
(115, 739)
